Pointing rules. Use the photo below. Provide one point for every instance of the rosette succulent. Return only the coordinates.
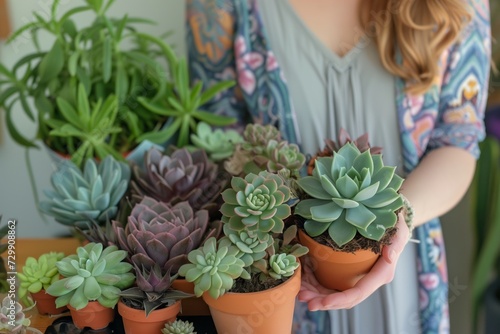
(93, 274)
(331, 146)
(181, 176)
(163, 234)
(257, 137)
(282, 155)
(153, 289)
(251, 247)
(218, 144)
(80, 197)
(213, 268)
(351, 192)
(12, 318)
(282, 265)
(256, 204)
(38, 274)
(178, 327)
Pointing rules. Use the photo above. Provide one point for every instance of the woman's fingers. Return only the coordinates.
(391, 252)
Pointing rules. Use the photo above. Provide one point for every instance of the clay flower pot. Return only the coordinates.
(136, 322)
(193, 306)
(264, 312)
(94, 315)
(46, 304)
(334, 269)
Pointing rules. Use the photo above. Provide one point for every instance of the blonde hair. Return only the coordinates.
(422, 30)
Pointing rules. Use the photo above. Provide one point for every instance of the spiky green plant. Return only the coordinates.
(179, 327)
(351, 192)
(256, 204)
(38, 274)
(218, 144)
(93, 274)
(213, 268)
(80, 197)
(153, 289)
(13, 319)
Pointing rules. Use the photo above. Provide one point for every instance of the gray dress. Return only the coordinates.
(354, 92)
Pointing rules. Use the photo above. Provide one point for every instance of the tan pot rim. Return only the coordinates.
(157, 315)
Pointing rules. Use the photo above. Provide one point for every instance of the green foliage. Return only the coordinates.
(91, 56)
(178, 327)
(80, 197)
(218, 144)
(38, 274)
(351, 192)
(93, 274)
(486, 220)
(213, 268)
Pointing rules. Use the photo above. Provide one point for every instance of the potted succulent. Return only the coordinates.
(158, 236)
(12, 318)
(93, 280)
(349, 208)
(255, 263)
(92, 195)
(178, 327)
(36, 276)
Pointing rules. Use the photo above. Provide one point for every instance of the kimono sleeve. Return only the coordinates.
(464, 90)
(210, 26)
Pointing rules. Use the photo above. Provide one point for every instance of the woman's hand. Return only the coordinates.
(321, 298)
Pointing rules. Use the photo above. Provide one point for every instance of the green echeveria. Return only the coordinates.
(79, 198)
(283, 155)
(257, 137)
(256, 204)
(20, 320)
(351, 192)
(92, 274)
(251, 247)
(218, 144)
(213, 268)
(282, 265)
(38, 274)
(179, 327)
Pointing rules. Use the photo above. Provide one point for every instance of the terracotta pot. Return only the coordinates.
(46, 304)
(136, 322)
(264, 312)
(194, 306)
(334, 269)
(94, 315)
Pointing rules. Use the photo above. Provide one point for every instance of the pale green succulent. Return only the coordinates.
(256, 204)
(178, 327)
(213, 268)
(251, 247)
(218, 144)
(257, 137)
(38, 274)
(92, 195)
(283, 155)
(92, 274)
(351, 192)
(282, 265)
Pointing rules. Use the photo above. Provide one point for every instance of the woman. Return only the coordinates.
(413, 74)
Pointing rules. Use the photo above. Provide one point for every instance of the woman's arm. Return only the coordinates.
(439, 182)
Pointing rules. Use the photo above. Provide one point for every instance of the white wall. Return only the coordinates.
(16, 198)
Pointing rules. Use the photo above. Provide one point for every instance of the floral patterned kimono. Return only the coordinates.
(227, 41)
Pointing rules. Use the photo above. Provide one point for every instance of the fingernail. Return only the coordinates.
(392, 256)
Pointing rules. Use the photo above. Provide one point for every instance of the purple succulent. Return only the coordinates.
(162, 234)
